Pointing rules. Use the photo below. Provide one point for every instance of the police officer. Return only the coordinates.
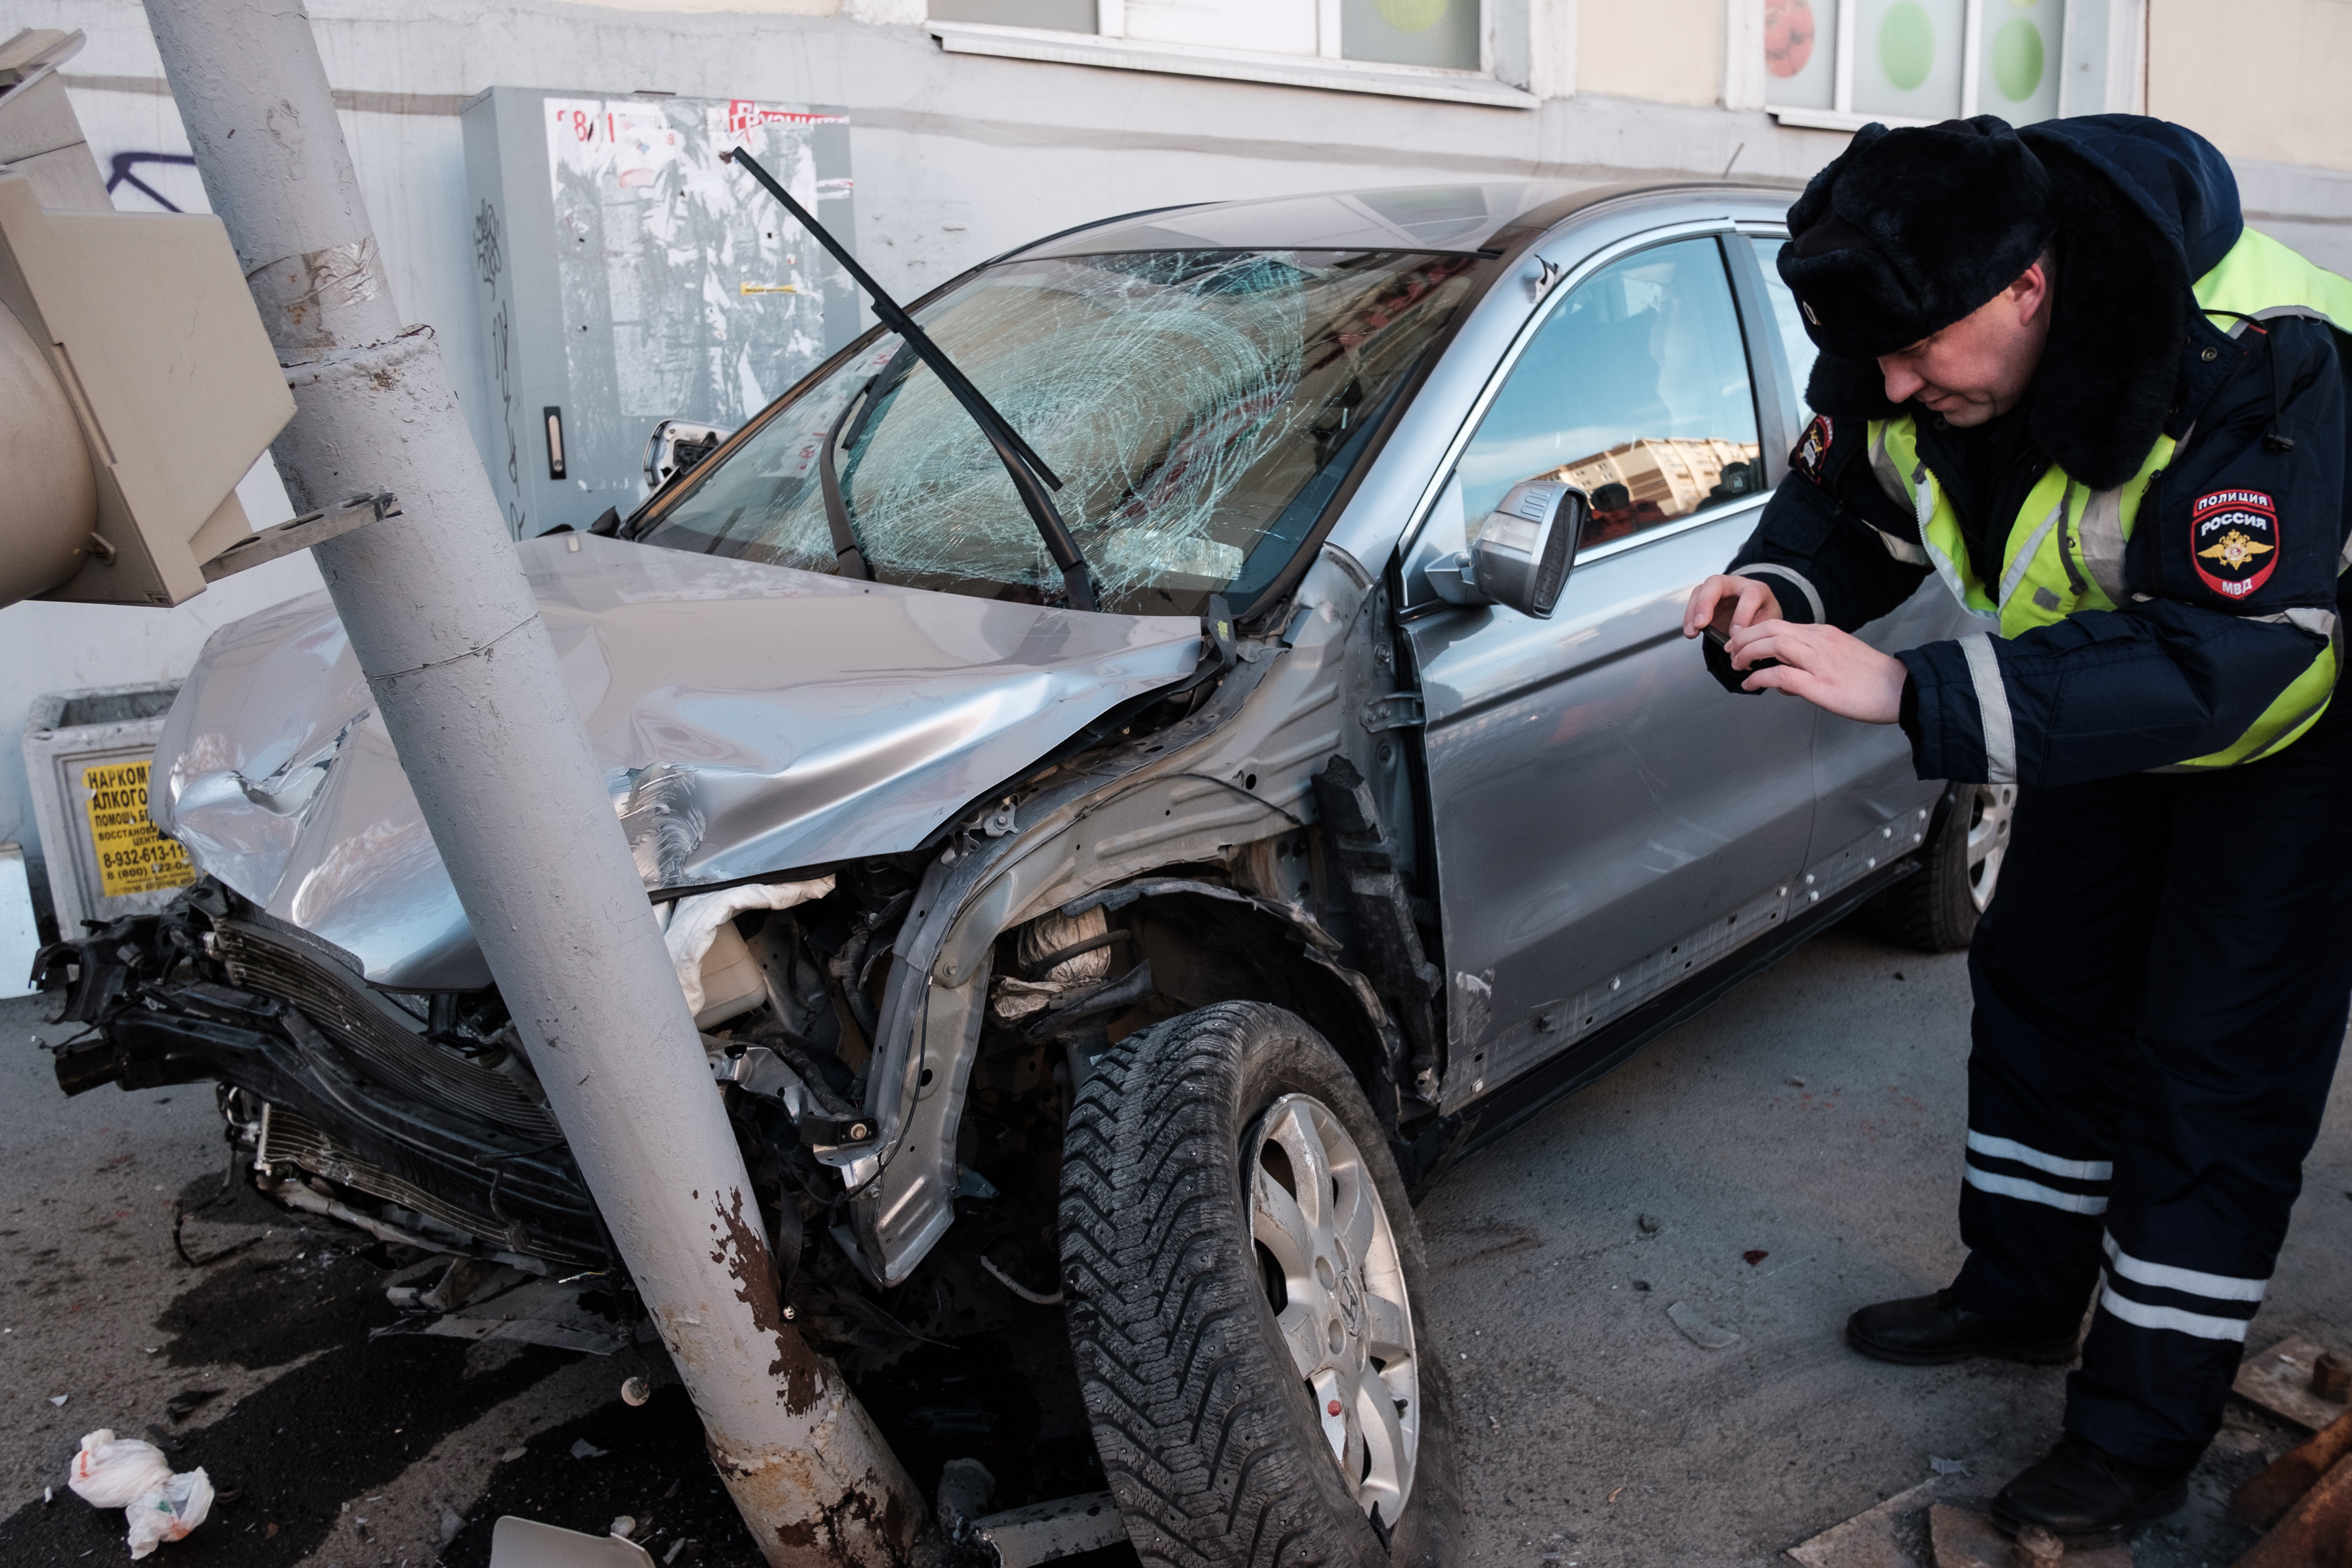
(2058, 372)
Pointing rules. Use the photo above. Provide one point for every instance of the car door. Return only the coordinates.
(1606, 818)
(1869, 803)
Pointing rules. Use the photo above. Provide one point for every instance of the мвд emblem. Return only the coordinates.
(1813, 450)
(2233, 541)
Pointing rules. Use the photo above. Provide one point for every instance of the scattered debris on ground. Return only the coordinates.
(1700, 1333)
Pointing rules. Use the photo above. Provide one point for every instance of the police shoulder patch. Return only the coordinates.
(1812, 454)
(2233, 541)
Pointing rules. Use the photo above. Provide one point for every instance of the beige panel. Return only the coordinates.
(40, 138)
(195, 379)
(49, 504)
(151, 331)
(2259, 79)
(1668, 51)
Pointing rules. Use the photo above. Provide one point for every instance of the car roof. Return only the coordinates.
(1462, 217)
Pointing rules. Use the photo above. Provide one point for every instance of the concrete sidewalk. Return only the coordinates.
(1800, 1148)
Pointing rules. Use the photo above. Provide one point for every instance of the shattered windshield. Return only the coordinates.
(1200, 407)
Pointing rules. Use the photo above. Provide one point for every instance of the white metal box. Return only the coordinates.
(86, 755)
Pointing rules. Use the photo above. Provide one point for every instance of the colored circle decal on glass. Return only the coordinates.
(2017, 60)
(1788, 36)
(1906, 45)
(1411, 15)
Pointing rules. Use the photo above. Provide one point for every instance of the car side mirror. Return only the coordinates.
(676, 445)
(1522, 553)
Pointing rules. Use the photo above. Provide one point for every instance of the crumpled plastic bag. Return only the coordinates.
(133, 1475)
(115, 1472)
(170, 1511)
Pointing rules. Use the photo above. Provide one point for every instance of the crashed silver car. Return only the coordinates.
(1100, 981)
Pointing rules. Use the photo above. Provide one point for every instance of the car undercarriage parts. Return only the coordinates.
(1022, 1537)
(1063, 991)
(1030, 476)
(849, 965)
(775, 1070)
(1380, 905)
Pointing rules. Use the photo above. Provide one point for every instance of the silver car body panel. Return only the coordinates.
(749, 719)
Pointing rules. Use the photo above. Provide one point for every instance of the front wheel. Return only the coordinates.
(1937, 908)
(1241, 1267)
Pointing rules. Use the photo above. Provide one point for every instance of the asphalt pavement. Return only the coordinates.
(1789, 1155)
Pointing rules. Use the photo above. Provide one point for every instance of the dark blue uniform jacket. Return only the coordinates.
(2181, 671)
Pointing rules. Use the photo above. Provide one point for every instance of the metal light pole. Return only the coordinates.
(460, 665)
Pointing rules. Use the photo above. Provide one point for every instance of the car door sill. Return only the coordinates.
(1436, 1147)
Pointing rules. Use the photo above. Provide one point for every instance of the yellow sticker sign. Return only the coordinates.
(134, 856)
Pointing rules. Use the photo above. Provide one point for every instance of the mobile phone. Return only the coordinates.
(1719, 632)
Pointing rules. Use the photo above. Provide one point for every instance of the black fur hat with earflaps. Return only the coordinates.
(1910, 229)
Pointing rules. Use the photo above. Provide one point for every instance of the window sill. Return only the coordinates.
(1234, 65)
(1830, 120)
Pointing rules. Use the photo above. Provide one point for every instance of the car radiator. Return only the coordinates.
(288, 1138)
(279, 965)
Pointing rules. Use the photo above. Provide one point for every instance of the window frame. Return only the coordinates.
(1743, 39)
(1765, 369)
(1109, 46)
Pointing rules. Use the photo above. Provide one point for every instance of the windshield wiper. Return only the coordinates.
(1031, 477)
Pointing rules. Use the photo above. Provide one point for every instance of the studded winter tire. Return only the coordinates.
(1242, 1270)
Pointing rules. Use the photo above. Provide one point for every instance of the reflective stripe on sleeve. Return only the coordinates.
(1773, 568)
(2213, 1287)
(1993, 709)
(2034, 1193)
(2139, 1314)
(2025, 1154)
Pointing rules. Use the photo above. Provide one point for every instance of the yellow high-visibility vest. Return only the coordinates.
(2065, 548)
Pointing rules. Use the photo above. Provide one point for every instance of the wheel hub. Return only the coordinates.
(1337, 1287)
(1991, 808)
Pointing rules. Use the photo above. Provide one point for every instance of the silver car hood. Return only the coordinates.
(749, 719)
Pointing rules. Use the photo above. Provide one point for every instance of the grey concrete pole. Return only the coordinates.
(461, 667)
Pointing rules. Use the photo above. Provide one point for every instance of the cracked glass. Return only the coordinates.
(1202, 409)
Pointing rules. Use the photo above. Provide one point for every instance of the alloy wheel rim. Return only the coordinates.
(1332, 1274)
(1991, 808)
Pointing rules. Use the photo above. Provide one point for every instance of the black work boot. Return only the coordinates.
(1928, 1331)
(2080, 1492)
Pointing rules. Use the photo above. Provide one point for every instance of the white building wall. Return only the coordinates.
(959, 156)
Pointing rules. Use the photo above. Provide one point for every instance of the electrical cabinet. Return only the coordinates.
(627, 275)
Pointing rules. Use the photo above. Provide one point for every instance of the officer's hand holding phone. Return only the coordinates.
(1832, 670)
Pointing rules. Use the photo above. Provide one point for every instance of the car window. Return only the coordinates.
(1793, 341)
(1203, 408)
(1635, 389)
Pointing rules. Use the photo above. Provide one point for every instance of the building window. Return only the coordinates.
(1443, 33)
(1841, 63)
